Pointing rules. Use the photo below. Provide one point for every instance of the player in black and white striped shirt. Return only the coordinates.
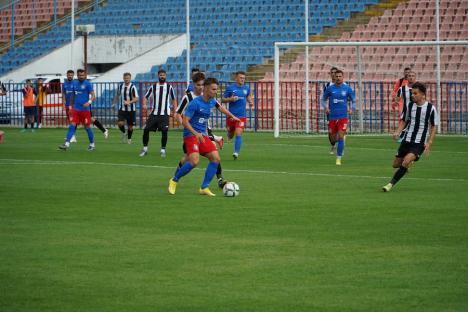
(420, 119)
(128, 94)
(404, 96)
(198, 80)
(163, 98)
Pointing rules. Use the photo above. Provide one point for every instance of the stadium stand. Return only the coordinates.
(226, 35)
(387, 63)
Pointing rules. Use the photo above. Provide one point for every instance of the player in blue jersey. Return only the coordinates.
(237, 95)
(196, 140)
(338, 96)
(83, 97)
(332, 140)
(67, 94)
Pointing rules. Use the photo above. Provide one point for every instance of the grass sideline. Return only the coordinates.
(98, 231)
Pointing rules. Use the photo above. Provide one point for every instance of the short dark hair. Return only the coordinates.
(127, 74)
(407, 68)
(161, 71)
(195, 69)
(28, 80)
(240, 72)
(81, 70)
(70, 71)
(198, 77)
(420, 86)
(339, 71)
(210, 81)
(333, 68)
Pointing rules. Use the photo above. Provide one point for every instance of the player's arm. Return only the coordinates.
(250, 99)
(116, 97)
(324, 99)
(433, 119)
(144, 101)
(395, 88)
(180, 109)
(188, 126)
(228, 96)
(223, 110)
(92, 97)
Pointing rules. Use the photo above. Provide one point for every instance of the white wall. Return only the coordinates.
(143, 63)
(140, 52)
(121, 49)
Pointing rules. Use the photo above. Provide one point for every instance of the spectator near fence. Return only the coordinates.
(41, 91)
(29, 103)
(3, 90)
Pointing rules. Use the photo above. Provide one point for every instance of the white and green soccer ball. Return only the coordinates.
(231, 189)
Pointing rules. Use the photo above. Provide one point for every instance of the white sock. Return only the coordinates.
(145, 148)
(217, 138)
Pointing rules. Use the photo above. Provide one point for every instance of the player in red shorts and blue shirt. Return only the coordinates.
(196, 140)
(237, 95)
(81, 114)
(338, 95)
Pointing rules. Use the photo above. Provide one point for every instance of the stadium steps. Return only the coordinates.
(44, 27)
(258, 72)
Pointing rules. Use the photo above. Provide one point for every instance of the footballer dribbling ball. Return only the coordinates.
(231, 189)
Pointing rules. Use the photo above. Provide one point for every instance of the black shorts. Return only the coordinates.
(407, 148)
(157, 122)
(127, 116)
(30, 111)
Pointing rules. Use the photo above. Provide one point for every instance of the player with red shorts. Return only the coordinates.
(196, 139)
(237, 95)
(338, 96)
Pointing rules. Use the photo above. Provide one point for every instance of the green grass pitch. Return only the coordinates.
(97, 231)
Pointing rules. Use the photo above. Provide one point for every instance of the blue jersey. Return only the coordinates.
(199, 113)
(82, 92)
(190, 87)
(238, 108)
(338, 100)
(68, 89)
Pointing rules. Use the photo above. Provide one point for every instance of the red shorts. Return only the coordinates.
(337, 125)
(192, 145)
(233, 125)
(78, 117)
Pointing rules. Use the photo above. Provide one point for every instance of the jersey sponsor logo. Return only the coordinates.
(201, 120)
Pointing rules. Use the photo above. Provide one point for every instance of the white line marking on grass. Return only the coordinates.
(352, 147)
(8, 162)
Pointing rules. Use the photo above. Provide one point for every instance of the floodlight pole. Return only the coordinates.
(439, 97)
(307, 104)
(187, 17)
(361, 113)
(277, 92)
(72, 37)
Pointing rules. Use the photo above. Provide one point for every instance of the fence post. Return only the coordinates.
(255, 107)
(382, 107)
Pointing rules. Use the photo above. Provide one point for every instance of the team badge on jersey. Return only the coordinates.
(245, 92)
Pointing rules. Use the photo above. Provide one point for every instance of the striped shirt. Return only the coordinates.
(405, 93)
(325, 86)
(188, 97)
(127, 93)
(161, 95)
(418, 120)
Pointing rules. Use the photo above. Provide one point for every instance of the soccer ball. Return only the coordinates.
(231, 189)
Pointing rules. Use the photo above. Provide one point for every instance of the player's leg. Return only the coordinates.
(74, 121)
(219, 176)
(164, 128)
(121, 125)
(341, 126)
(215, 138)
(151, 125)
(211, 169)
(231, 128)
(130, 123)
(238, 142)
(183, 160)
(87, 124)
(192, 161)
(407, 154)
(99, 125)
